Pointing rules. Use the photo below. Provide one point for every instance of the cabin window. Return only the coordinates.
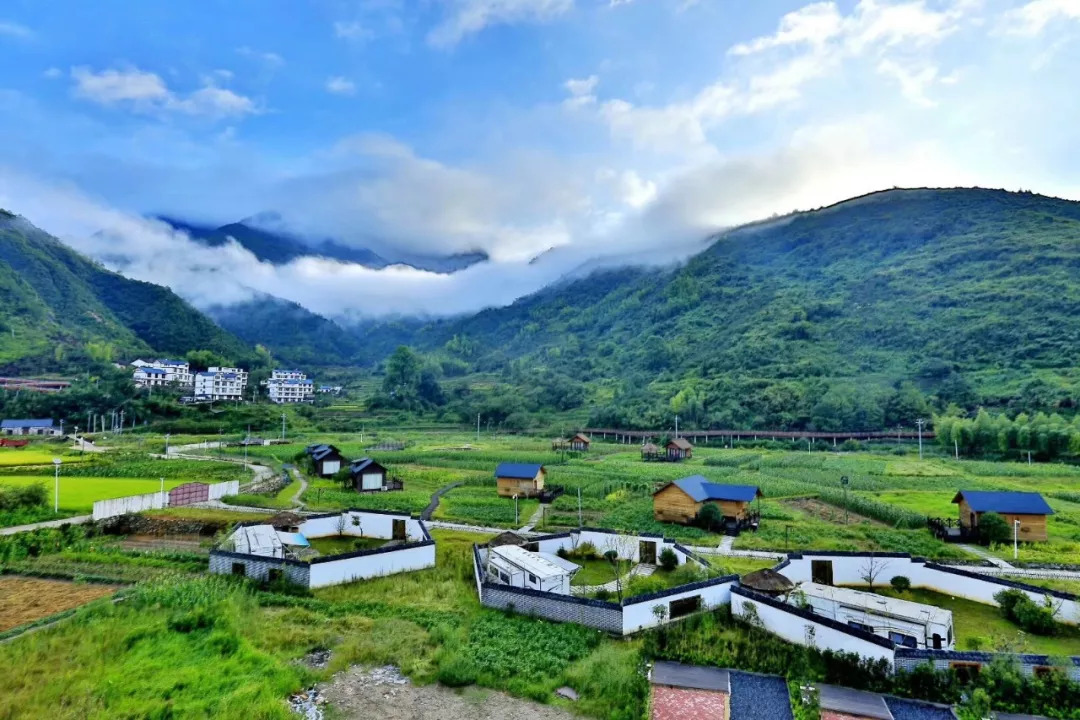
(504, 577)
(965, 671)
(937, 641)
(685, 606)
(860, 626)
(904, 640)
(821, 572)
(949, 636)
(532, 578)
(239, 569)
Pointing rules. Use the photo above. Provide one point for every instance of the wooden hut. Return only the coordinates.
(520, 479)
(651, 451)
(767, 582)
(679, 449)
(1027, 508)
(326, 459)
(369, 476)
(682, 500)
(579, 443)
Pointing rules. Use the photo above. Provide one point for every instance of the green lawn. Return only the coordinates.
(979, 626)
(79, 493)
(339, 544)
(592, 572)
(738, 565)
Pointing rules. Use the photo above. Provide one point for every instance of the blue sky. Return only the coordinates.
(598, 127)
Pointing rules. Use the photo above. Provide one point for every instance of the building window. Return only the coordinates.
(904, 640)
(686, 606)
(937, 641)
(532, 579)
(860, 626)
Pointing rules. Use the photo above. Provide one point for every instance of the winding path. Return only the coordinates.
(430, 509)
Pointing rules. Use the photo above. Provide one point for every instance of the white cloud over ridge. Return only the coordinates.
(147, 92)
(468, 17)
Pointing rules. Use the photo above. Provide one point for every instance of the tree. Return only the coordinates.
(668, 559)
(402, 371)
(710, 518)
(993, 529)
(871, 568)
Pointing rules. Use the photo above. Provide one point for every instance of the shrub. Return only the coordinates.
(710, 518)
(668, 559)
(603, 594)
(457, 671)
(1025, 612)
(900, 583)
(993, 529)
(586, 551)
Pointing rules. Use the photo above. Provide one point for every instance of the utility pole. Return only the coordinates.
(282, 426)
(844, 482)
(166, 446)
(956, 448)
(246, 442)
(808, 441)
(162, 491)
(579, 522)
(676, 426)
(477, 427)
(919, 424)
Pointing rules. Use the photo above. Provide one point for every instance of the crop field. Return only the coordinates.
(16, 457)
(24, 600)
(78, 494)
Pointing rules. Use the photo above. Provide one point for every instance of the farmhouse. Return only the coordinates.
(1027, 508)
(385, 542)
(906, 623)
(682, 500)
(517, 567)
(578, 443)
(289, 386)
(30, 427)
(369, 476)
(327, 459)
(679, 449)
(151, 373)
(520, 479)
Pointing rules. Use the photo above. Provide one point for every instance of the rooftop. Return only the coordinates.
(1019, 503)
(520, 471)
(855, 703)
(695, 677)
(531, 562)
(700, 489)
(20, 424)
(879, 604)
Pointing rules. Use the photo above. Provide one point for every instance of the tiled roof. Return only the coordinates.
(1019, 503)
(701, 489)
(23, 424)
(520, 471)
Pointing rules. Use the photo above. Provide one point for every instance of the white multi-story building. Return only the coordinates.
(289, 386)
(151, 373)
(220, 384)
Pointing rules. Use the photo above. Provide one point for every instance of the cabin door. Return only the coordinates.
(821, 572)
(647, 552)
(399, 530)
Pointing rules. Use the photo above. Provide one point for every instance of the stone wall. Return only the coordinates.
(559, 608)
(258, 568)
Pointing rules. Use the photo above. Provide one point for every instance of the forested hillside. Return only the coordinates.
(61, 309)
(865, 314)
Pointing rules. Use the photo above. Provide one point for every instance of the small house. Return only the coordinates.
(368, 475)
(30, 427)
(682, 500)
(520, 479)
(515, 566)
(651, 451)
(327, 459)
(908, 624)
(580, 443)
(1027, 508)
(679, 449)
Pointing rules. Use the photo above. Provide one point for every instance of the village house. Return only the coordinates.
(579, 443)
(153, 373)
(679, 449)
(519, 479)
(682, 500)
(369, 476)
(289, 386)
(1029, 509)
(327, 459)
(219, 383)
(31, 427)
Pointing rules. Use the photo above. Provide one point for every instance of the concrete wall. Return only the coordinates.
(638, 612)
(559, 608)
(130, 504)
(803, 628)
(377, 563)
(258, 568)
(363, 523)
(627, 546)
(221, 489)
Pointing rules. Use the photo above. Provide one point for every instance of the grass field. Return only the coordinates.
(24, 600)
(338, 544)
(16, 457)
(77, 494)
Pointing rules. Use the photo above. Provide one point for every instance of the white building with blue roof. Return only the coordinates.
(289, 386)
(45, 426)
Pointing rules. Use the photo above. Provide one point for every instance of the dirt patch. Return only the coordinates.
(168, 543)
(24, 600)
(829, 513)
(362, 694)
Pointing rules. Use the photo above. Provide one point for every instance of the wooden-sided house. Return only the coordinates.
(682, 500)
(369, 476)
(580, 443)
(679, 449)
(327, 459)
(1029, 508)
(521, 479)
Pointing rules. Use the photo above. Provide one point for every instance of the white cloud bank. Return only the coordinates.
(468, 17)
(147, 92)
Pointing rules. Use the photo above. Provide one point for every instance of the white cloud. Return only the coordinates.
(146, 92)
(352, 31)
(914, 83)
(813, 24)
(338, 85)
(53, 73)
(582, 91)
(467, 17)
(15, 30)
(271, 60)
(1034, 17)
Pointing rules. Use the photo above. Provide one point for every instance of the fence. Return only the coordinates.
(159, 500)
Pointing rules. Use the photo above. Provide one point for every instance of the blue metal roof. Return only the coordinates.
(362, 464)
(21, 424)
(1016, 503)
(151, 371)
(700, 489)
(520, 471)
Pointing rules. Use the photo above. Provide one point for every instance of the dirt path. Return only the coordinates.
(430, 509)
(76, 520)
(362, 694)
(829, 513)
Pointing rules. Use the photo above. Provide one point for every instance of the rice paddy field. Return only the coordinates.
(14, 457)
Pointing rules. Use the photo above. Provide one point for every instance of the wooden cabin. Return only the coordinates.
(369, 476)
(1028, 507)
(679, 449)
(682, 500)
(580, 443)
(327, 459)
(521, 479)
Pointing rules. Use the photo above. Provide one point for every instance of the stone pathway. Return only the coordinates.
(613, 586)
(295, 499)
(430, 509)
(533, 520)
(985, 555)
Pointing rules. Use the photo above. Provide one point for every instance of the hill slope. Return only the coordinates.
(971, 296)
(54, 296)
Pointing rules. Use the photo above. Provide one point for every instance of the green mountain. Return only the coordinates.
(863, 314)
(61, 306)
(292, 333)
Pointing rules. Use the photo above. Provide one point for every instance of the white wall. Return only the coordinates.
(130, 504)
(553, 545)
(221, 489)
(639, 616)
(793, 628)
(376, 525)
(628, 546)
(346, 570)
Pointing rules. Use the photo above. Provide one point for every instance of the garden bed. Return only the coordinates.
(24, 600)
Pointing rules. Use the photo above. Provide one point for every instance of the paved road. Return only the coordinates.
(430, 509)
(985, 555)
(535, 518)
(295, 499)
(77, 520)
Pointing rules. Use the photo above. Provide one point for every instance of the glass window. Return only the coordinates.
(904, 640)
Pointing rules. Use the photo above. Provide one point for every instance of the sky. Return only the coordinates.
(627, 130)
